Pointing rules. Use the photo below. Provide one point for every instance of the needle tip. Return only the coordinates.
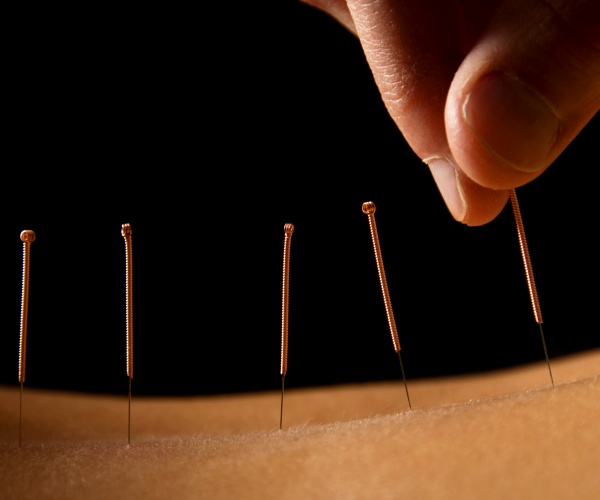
(546, 353)
(281, 410)
(404, 379)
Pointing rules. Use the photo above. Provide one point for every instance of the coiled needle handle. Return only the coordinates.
(126, 232)
(27, 237)
(288, 229)
(369, 208)
(535, 303)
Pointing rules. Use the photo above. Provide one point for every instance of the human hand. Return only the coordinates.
(488, 94)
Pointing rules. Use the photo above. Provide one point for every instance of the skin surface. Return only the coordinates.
(488, 94)
(506, 434)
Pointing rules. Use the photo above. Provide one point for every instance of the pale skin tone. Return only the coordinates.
(488, 94)
(507, 434)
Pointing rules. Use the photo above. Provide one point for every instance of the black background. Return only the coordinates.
(208, 130)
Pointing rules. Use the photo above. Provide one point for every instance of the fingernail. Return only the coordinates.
(448, 182)
(511, 120)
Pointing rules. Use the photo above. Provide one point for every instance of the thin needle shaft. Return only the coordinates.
(126, 232)
(288, 229)
(27, 237)
(281, 408)
(404, 378)
(129, 416)
(368, 208)
(535, 303)
(20, 414)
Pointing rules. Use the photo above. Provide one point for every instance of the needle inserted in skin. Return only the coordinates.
(126, 232)
(537, 311)
(288, 229)
(368, 208)
(27, 237)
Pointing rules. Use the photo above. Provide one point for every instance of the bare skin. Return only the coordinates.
(500, 435)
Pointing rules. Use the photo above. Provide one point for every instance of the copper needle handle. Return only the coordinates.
(126, 232)
(288, 230)
(535, 303)
(27, 237)
(369, 208)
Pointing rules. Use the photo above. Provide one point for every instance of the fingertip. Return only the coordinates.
(449, 186)
(467, 202)
(484, 204)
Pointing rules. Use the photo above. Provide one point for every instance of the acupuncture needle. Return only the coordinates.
(126, 232)
(288, 229)
(535, 303)
(27, 237)
(368, 208)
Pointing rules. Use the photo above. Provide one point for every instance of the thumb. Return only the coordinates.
(525, 90)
